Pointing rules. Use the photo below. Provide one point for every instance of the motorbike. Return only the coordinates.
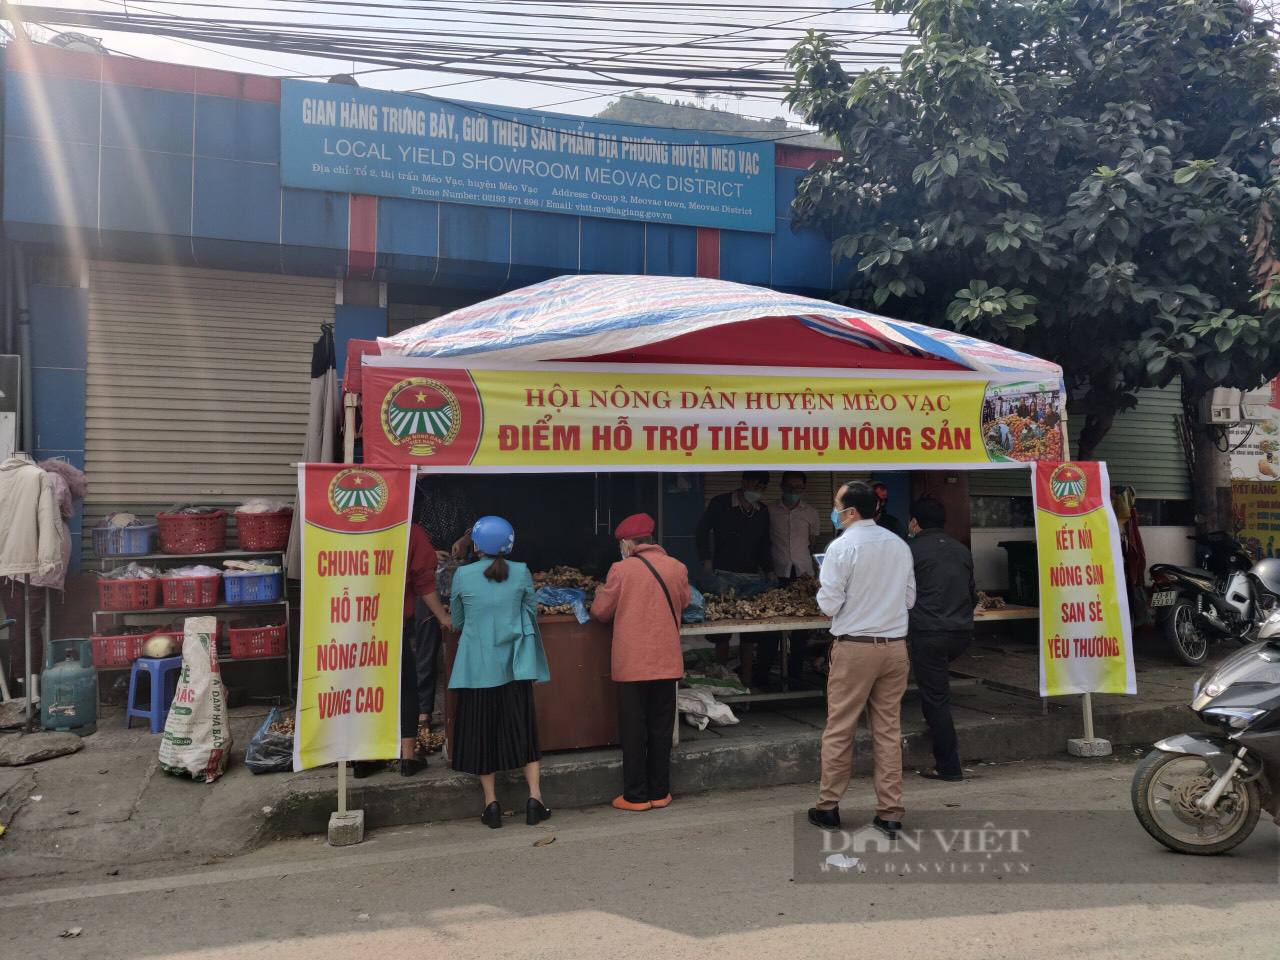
(1203, 793)
(1225, 598)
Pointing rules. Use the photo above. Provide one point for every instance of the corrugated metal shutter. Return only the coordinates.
(198, 384)
(1142, 448)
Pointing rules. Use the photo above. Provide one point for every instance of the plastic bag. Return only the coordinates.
(131, 571)
(197, 736)
(701, 708)
(695, 612)
(270, 752)
(741, 585)
(445, 570)
(263, 505)
(565, 596)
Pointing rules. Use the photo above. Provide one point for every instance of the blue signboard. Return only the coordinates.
(351, 140)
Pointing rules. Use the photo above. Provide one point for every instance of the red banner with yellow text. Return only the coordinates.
(567, 417)
(1085, 634)
(355, 541)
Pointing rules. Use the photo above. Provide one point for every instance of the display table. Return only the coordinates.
(579, 706)
(1007, 613)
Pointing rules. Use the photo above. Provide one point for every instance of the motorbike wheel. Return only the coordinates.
(1189, 642)
(1165, 789)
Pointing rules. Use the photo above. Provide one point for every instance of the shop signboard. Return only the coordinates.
(1257, 517)
(353, 140)
(1085, 633)
(355, 541)
(1255, 446)
(556, 417)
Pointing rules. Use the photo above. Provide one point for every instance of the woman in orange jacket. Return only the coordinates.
(643, 596)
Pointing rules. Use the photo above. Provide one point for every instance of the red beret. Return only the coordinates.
(636, 525)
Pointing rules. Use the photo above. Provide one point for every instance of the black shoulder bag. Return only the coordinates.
(665, 592)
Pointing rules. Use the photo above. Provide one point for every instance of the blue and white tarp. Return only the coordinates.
(585, 316)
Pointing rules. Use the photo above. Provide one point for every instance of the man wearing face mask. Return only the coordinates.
(733, 538)
(793, 529)
(643, 596)
(868, 584)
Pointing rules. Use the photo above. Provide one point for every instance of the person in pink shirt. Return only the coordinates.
(643, 596)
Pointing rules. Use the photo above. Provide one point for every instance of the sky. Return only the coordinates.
(681, 37)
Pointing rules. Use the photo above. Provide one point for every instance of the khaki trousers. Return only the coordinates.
(873, 675)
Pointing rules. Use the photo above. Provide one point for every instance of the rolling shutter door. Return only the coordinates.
(198, 385)
(1142, 448)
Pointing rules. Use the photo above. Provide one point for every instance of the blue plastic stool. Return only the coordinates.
(163, 679)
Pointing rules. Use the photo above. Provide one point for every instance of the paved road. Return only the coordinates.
(710, 877)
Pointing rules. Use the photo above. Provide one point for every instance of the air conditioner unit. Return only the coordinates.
(1255, 405)
(1221, 406)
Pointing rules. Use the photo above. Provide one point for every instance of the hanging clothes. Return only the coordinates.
(69, 486)
(319, 445)
(30, 522)
(1124, 501)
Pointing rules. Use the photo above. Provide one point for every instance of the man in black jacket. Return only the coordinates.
(734, 542)
(940, 627)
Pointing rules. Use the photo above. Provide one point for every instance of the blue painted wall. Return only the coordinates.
(148, 174)
(59, 364)
(356, 323)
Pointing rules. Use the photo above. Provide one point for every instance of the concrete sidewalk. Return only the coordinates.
(110, 804)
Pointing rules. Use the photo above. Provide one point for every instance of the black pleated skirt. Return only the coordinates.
(495, 728)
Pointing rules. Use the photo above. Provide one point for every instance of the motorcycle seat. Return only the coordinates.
(1195, 573)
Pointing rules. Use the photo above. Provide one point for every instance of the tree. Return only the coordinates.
(1088, 180)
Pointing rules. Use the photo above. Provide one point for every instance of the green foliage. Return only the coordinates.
(1089, 181)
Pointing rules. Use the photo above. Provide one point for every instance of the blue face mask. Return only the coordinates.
(791, 499)
(752, 496)
(835, 519)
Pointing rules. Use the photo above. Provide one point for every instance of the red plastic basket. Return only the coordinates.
(248, 641)
(128, 594)
(122, 651)
(264, 531)
(190, 591)
(192, 532)
(117, 651)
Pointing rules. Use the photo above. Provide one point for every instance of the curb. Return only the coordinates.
(592, 777)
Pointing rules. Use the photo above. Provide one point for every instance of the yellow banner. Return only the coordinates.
(355, 539)
(1085, 633)
(559, 417)
(1257, 517)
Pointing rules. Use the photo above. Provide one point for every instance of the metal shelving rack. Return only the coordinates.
(110, 563)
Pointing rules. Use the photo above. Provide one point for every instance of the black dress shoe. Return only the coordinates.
(826, 819)
(492, 816)
(409, 767)
(363, 768)
(890, 828)
(535, 812)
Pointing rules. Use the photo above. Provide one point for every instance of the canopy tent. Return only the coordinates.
(623, 373)
(691, 320)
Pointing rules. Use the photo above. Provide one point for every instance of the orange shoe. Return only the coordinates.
(622, 803)
(664, 802)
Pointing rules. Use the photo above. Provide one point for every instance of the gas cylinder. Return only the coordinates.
(69, 688)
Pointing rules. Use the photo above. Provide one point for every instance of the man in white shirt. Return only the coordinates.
(868, 584)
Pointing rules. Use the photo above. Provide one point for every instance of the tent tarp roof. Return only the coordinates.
(693, 320)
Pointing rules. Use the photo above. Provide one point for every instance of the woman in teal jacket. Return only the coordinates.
(500, 657)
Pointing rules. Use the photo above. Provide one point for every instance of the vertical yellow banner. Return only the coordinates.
(355, 541)
(1085, 634)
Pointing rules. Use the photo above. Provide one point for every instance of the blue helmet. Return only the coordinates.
(493, 535)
